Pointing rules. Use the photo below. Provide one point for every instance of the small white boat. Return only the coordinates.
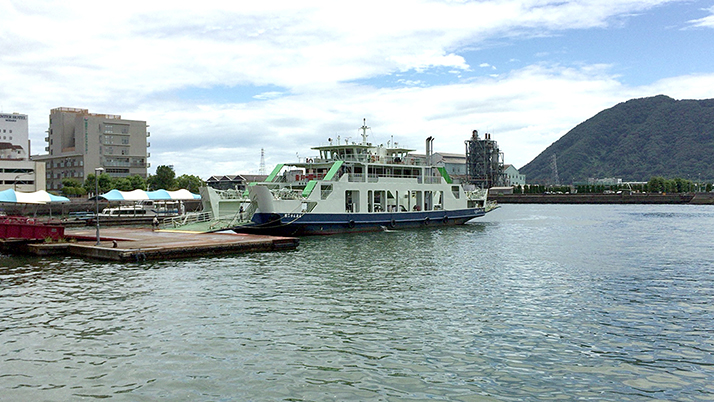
(145, 208)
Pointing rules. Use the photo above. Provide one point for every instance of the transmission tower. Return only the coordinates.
(261, 171)
(554, 167)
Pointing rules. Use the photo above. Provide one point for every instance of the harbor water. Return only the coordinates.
(531, 302)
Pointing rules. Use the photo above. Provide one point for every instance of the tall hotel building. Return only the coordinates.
(78, 142)
(17, 171)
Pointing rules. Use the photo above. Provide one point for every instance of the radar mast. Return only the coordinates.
(364, 129)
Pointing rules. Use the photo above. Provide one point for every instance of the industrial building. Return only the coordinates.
(484, 162)
(17, 171)
(482, 165)
(78, 142)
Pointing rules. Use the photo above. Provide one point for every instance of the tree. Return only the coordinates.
(656, 185)
(70, 182)
(189, 182)
(122, 184)
(72, 188)
(163, 179)
(105, 183)
(137, 182)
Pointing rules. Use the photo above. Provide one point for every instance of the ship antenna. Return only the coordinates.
(364, 129)
(262, 162)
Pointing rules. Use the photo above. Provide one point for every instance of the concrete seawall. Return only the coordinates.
(687, 198)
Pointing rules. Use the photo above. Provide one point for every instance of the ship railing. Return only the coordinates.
(303, 179)
(477, 194)
(250, 211)
(242, 217)
(390, 160)
(186, 219)
(432, 180)
(373, 178)
(287, 193)
(230, 194)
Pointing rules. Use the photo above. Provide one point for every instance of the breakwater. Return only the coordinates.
(635, 198)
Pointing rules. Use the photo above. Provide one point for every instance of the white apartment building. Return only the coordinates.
(16, 169)
(78, 142)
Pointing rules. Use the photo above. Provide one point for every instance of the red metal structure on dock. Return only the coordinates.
(26, 228)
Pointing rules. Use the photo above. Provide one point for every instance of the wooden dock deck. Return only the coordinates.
(140, 244)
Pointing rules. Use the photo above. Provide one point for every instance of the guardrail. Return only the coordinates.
(191, 217)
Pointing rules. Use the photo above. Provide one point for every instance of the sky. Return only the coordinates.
(217, 82)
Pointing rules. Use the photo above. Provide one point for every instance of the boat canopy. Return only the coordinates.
(38, 197)
(141, 195)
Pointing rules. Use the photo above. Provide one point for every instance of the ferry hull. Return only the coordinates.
(309, 224)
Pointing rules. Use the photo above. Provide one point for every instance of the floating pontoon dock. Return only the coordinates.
(138, 244)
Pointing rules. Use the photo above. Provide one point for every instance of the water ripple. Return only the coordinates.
(534, 303)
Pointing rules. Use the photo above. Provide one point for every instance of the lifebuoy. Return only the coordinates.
(392, 224)
(351, 224)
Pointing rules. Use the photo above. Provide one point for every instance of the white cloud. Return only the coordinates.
(138, 58)
(526, 111)
(268, 95)
(706, 22)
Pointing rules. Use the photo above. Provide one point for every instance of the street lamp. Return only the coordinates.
(14, 183)
(97, 171)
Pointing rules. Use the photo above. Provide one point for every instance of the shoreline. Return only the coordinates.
(635, 198)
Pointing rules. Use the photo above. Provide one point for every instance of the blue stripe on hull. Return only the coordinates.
(326, 224)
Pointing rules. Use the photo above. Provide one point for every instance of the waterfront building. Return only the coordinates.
(233, 182)
(17, 171)
(513, 176)
(608, 181)
(78, 142)
(455, 164)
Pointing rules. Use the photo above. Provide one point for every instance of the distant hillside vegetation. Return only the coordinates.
(634, 140)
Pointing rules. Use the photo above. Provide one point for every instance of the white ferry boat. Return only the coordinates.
(358, 187)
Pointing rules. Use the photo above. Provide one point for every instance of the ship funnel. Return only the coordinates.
(429, 150)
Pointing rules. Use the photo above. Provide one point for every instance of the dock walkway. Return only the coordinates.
(140, 244)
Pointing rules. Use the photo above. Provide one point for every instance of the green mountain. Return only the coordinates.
(634, 141)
